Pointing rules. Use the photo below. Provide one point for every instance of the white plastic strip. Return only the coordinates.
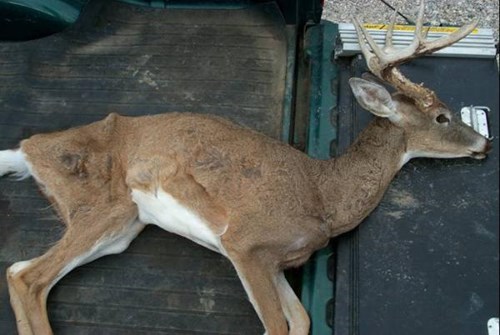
(493, 326)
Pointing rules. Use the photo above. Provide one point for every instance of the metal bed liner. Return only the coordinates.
(138, 60)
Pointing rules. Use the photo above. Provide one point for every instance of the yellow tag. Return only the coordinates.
(398, 27)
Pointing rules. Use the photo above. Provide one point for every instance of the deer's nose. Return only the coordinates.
(488, 146)
(483, 152)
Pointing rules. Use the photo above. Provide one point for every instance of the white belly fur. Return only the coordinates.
(166, 212)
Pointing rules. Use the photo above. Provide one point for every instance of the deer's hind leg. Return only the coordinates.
(30, 281)
(296, 315)
(258, 277)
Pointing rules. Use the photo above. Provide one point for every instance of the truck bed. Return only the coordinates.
(138, 60)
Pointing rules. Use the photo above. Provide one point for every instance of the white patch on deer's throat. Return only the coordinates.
(166, 212)
(416, 154)
(405, 159)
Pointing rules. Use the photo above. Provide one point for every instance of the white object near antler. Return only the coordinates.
(259, 202)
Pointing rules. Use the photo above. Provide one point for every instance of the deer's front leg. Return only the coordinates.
(258, 277)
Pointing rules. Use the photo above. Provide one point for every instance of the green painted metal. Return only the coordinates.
(317, 291)
(317, 288)
(289, 100)
(321, 132)
(29, 19)
(66, 11)
(300, 12)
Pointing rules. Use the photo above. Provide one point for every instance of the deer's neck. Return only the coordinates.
(353, 184)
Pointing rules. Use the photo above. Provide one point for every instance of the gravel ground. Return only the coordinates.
(444, 12)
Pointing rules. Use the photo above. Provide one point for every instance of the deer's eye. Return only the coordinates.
(441, 118)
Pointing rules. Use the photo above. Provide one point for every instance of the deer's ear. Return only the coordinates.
(373, 97)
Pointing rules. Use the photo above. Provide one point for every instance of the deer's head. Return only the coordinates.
(431, 129)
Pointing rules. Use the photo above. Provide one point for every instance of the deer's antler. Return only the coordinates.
(383, 62)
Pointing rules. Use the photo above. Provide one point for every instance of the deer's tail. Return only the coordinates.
(13, 162)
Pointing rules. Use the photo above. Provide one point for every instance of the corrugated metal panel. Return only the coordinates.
(479, 43)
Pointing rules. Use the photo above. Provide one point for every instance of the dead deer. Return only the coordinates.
(259, 202)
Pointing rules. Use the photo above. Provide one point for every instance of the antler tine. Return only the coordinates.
(400, 56)
(362, 32)
(425, 33)
(420, 22)
(432, 46)
(386, 59)
(364, 49)
(390, 30)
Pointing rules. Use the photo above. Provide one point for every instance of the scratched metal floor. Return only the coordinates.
(137, 60)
